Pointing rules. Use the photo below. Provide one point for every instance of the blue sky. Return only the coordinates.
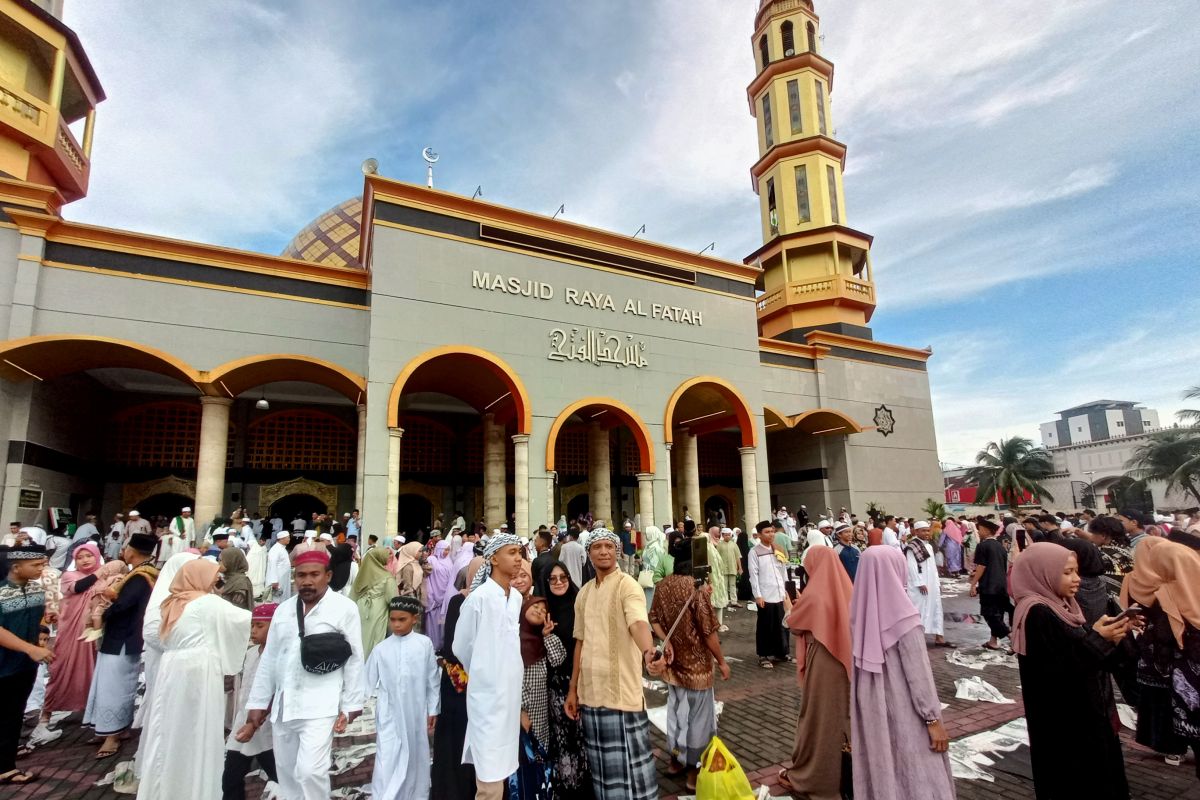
(1029, 170)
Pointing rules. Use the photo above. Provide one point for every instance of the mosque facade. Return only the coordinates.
(414, 352)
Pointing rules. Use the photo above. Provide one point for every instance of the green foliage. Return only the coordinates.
(934, 510)
(1190, 416)
(1171, 456)
(1129, 493)
(1009, 469)
(875, 511)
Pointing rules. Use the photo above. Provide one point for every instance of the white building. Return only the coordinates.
(1096, 421)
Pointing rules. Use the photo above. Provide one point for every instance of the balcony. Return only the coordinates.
(41, 128)
(831, 290)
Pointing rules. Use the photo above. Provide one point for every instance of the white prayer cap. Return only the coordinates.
(1065, 525)
(346, 514)
(134, 513)
(784, 508)
(824, 523)
(326, 537)
(524, 540)
(503, 526)
(628, 524)
(920, 525)
(185, 508)
(245, 519)
(803, 506)
(310, 534)
(496, 532)
(284, 534)
(736, 531)
(726, 530)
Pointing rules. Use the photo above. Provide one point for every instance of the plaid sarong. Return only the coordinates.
(619, 754)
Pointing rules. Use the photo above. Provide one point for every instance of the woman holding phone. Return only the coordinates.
(1073, 748)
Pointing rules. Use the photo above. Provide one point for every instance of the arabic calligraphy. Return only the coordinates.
(592, 346)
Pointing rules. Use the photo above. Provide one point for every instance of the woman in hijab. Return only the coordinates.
(893, 703)
(341, 562)
(1073, 748)
(74, 661)
(406, 566)
(653, 552)
(438, 584)
(373, 588)
(952, 546)
(237, 587)
(1166, 583)
(152, 649)
(571, 777)
(541, 650)
(820, 621)
(452, 779)
(204, 639)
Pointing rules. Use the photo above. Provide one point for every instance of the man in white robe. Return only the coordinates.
(488, 643)
(306, 708)
(184, 527)
(923, 587)
(403, 672)
(279, 570)
(256, 559)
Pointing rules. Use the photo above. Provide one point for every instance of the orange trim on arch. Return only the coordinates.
(727, 390)
(53, 355)
(773, 417)
(821, 419)
(627, 415)
(246, 373)
(497, 366)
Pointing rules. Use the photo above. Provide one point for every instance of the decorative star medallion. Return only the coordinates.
(885, 423)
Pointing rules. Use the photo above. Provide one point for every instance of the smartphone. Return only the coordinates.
(1134, 610)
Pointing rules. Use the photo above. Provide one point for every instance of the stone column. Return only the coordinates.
(392, 523)
(210, 464)
(670, 489)
(599, 474)
(646, 498)
(361, 461)
(551, 487)
(690, 476)
(521, 482)
(750, 485)
(494, 493)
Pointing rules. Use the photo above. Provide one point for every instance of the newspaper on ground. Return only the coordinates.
(364, 725)
(348, 758)
(978, 658)
(967, 755)
(976, 688)
(1128, 716)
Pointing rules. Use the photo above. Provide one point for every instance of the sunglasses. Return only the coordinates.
(558, 579)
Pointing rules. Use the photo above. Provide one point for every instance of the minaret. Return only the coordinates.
(48, 98)
(816, 269)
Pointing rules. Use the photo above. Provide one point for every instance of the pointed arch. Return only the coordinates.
(469, 356)
(641, 434)
(737, 402)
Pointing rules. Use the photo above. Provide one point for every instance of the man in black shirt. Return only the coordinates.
(989, 582)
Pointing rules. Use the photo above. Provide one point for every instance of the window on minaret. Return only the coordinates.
(793, 90)
(789, 40)
(812, 38)
(764, 51)
(834, 214)
(820, 107)
(772, 213)
(768, 134)
(802, 193)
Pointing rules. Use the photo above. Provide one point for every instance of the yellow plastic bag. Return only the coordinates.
(721, 776)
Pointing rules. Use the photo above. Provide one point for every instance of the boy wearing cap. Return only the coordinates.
(402, 671)
(22, 603)
(240, 755)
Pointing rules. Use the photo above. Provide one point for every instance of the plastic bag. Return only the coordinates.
(721, 776)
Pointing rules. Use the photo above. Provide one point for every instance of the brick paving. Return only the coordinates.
(757, 724)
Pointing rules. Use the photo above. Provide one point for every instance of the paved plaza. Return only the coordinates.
(757, 723)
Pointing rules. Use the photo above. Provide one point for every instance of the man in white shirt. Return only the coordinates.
(276, 525)
(924, 588)
(891, 535)
(573, 555)
(307, 708)
(768, 584)
(184, 527)
(137, 525)
(487, 641)
(279, 569)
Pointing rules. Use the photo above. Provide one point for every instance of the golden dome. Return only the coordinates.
(331, 238)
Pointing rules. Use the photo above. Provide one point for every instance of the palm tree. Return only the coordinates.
(1171, 456)
(933, 509)
(1191, 416)
(1011, 469)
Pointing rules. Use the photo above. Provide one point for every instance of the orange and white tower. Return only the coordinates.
(816, 269)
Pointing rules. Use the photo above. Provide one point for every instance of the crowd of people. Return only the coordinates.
(508, 666)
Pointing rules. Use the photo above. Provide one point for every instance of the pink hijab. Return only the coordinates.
(823, 608)
(441, 580)
(880, 610)
(1035, 579)
(70, 576)
(952, 530)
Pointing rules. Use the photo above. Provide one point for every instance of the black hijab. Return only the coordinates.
(340, 558)
(562, 611)
(1087, 554)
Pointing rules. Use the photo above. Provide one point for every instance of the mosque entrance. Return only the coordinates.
(287, 507)
(166, 505)
(416, 514)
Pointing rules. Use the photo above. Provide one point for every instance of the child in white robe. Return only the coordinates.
(240, 755)
(402, 672)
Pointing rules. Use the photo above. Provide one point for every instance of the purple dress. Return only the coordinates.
(890, 743)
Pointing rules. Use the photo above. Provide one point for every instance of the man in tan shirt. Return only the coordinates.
(612, 641)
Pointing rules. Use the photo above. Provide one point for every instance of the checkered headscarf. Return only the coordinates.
(600, 534)
(494, 545)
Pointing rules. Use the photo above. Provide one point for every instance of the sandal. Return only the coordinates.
(987, 646)
(17, 777)
(765, 663)
(785, 783)
(24, 751)
(103, 753)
